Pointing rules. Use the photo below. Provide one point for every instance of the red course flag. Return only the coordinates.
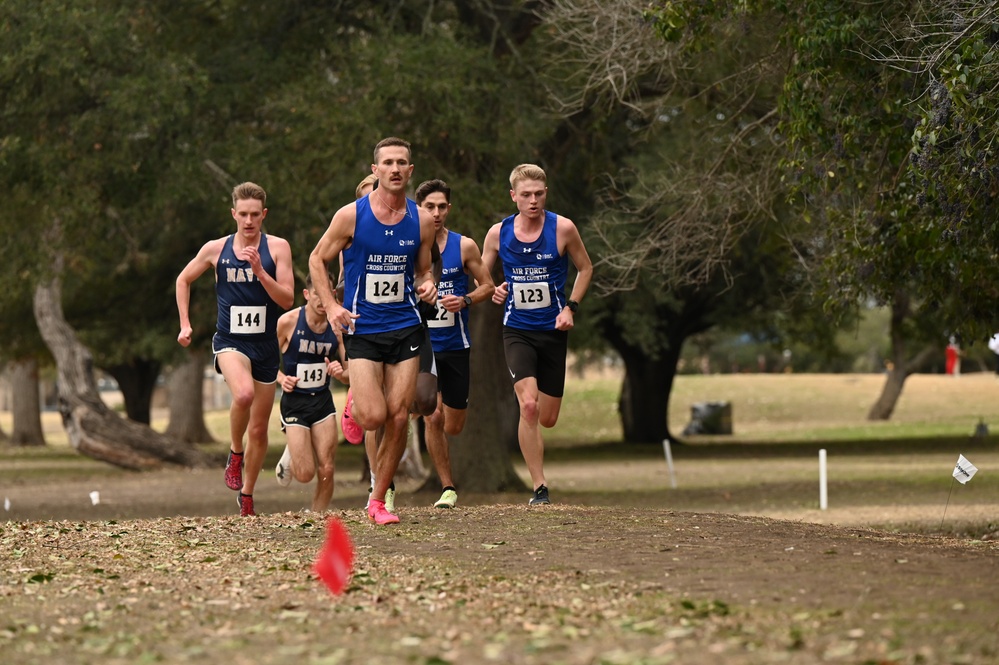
(335, 560)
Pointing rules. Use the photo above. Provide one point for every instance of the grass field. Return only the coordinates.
(766, 408)
(623, 569)
(893, 474)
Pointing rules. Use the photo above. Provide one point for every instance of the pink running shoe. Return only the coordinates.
(351, 430)
(378, 514)
(234, 471)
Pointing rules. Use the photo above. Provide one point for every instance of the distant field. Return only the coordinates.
(766, 407)
(797, 407)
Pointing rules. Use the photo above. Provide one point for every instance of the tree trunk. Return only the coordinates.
(94, 429)
(644, 396)
(481, 458)
(136, 380)
(901, 366)
(185, 395)
(25, 403)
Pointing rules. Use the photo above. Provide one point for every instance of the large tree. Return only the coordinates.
(847, 120)
(90, 113)
(674, 158)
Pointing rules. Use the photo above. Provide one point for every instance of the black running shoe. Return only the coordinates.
(540, 497)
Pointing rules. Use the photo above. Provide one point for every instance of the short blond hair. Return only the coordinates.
(369, 181)
(249, 190)
(527, 172)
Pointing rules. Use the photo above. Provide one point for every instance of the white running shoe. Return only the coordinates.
(283, 469)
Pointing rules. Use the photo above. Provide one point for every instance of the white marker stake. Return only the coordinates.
(669, 463)
(823, 490)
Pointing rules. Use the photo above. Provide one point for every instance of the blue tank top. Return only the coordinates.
(306, 354)
(449, 330)
(535, 275)
(378, 271)
(245, 308)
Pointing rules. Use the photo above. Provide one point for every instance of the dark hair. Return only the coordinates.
(308, 280)
(428, 187)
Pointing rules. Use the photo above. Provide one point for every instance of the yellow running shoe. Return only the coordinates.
(448, 499)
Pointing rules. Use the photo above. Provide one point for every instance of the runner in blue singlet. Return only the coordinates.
(534, 246)
(449, 334)
(385, 240)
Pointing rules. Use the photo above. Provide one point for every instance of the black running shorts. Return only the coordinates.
(390, 347)
(453, 376)
(537, 353)
(305, 409)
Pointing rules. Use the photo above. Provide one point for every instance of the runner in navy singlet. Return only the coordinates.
(311, 354)
(254, 284)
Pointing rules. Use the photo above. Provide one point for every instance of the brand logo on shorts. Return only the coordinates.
(512, 375)
(414, 348)
(292, 419)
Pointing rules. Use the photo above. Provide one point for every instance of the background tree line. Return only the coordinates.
(767, 167)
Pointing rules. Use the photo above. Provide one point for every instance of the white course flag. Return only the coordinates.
(964, 470)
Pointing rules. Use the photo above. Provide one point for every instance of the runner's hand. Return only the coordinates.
(500, 294)
(427, 291)
(340, 318)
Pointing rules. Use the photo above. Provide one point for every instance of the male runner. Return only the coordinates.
(535, 246)
(254, 285)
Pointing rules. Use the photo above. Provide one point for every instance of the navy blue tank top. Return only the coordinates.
(306, 355)
(535, 274)
(245, 308)
(379, 271)
(449, 330)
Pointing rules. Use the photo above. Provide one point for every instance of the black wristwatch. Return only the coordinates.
(572, 305)
(468, 301)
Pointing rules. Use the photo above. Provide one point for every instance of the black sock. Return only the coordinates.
(450, 487)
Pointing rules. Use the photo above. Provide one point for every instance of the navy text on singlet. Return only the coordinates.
(246, 310)
(306, 356)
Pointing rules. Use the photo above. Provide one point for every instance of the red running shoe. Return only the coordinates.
(245, 502)
(234, 471)
(351, 430)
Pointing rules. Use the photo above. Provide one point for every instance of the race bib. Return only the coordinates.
(311, 375)
(531, 295)
(380, 288)
(442, 318)
(247, 319)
